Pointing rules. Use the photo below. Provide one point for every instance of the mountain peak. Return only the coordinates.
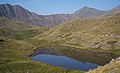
(87, 12)
(18, 6)
(6, 5)
(85, 7)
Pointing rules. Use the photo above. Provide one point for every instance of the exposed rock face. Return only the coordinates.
(7, 10)
(17, 12)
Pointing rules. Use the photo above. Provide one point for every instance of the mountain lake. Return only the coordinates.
(71, 58)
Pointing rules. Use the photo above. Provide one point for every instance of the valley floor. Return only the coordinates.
(14, 57)
(19, 40)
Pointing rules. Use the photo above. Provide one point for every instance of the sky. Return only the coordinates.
(47, 7)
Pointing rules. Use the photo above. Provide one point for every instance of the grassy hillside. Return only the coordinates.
(14, 25)
(18, 30)
(15, 49)
(18, 40)
(99, 33)
(14, 58)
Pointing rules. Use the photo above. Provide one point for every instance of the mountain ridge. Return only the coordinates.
(87, 12)
(17, 12)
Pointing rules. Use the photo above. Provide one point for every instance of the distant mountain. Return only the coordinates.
(114, 11)
(87, 12)
(56, 19)
(17, 12)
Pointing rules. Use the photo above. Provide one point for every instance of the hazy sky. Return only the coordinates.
(62, 6)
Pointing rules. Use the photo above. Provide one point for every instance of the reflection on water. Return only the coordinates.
(72, 58)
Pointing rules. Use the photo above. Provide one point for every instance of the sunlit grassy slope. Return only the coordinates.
(18, 40)
(97, 33)
(14, 58)
(12, 24)
(15, 49)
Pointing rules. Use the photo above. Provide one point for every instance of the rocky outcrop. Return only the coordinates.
(112, 67)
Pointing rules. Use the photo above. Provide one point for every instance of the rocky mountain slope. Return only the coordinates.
(17, 12)
(18, 30)
(87, 12)
(97, 33)
(112, 67)
(114, 10)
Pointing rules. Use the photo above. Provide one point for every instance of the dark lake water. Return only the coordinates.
(64, 61)
(71, 58)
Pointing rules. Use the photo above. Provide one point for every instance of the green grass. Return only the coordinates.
(88, 33)
(14, 58)
(18, 44)
(21, 39)
(12, 24)
(28, 33)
